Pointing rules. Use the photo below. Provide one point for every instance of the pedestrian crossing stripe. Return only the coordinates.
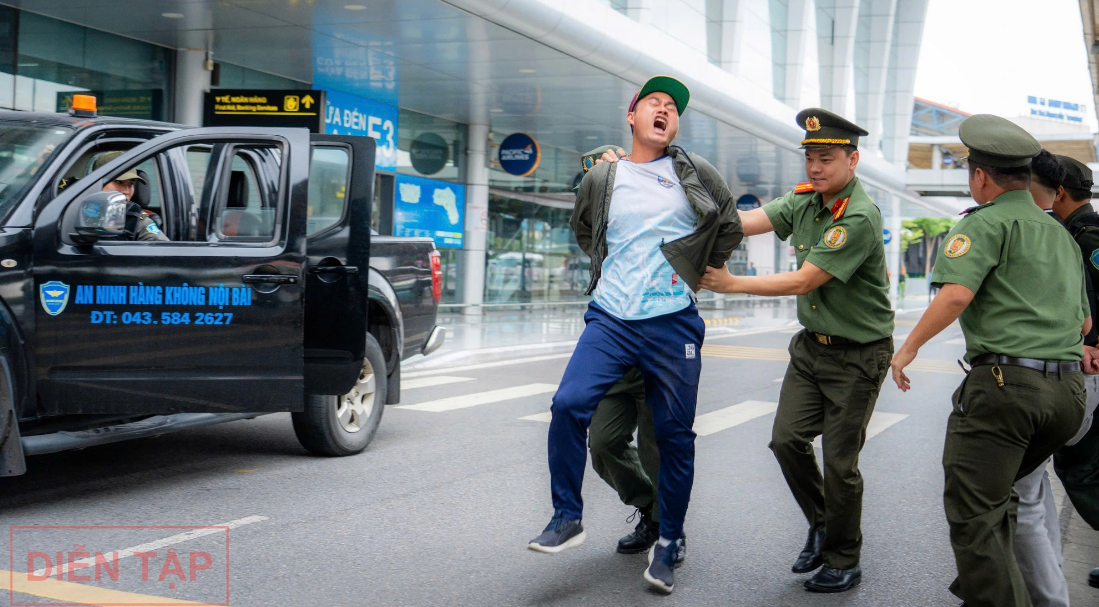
(735, 415)
(481, 398)
(723, 419)
(880, 421)
(428, 382)
(779, 355)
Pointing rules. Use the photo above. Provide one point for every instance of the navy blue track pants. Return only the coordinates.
(667, 351)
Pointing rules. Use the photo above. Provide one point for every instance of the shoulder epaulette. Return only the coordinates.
(839, 207)
(973, 209)
(803, 188)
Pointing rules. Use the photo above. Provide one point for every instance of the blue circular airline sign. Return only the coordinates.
(519, 154)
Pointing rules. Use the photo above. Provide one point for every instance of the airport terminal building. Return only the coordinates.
(482, 108)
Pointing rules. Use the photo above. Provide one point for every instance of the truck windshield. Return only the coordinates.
(24, 151)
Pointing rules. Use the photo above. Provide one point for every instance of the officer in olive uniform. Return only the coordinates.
(838, 363)
(140, 223)
(1014, 278)
(1077, 464)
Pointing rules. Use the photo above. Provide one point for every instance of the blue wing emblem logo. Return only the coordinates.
(55, 296)
(1095, 258)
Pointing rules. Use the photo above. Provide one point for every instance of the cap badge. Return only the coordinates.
(812, 124)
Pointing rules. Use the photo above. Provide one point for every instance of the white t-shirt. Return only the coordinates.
(648, 207)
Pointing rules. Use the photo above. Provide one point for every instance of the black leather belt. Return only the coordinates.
(1045, 366)
(835, 340)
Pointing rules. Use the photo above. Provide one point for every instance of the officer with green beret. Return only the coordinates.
(839, 361)
(1077, 464)
(1014, 278)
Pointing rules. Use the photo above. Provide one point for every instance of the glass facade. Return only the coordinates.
(434, 148)
(54, 59)
(532, 255)
(779, 11)
(715, 11)
(862, 63)
(231, 76)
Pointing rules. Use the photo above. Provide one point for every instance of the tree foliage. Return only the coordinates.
(926, 231)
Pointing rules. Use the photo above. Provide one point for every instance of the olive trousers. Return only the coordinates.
(1001, 429)
(1077, 463)
(630, 470)
(829, 391)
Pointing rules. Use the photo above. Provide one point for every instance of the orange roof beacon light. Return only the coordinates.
(83, 106)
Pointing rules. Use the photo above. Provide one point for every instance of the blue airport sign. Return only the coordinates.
(351, 115)
(429, 207)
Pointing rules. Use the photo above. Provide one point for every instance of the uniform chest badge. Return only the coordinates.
(664, 181)
(54, 296)
(835, 237)
(1095, 258)
(957, 246)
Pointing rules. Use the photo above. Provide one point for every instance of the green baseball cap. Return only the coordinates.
(998, 142)
(126, 176)
(675, 89)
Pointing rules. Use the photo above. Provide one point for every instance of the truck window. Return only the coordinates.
(24, 149)
(198, 158)
(328, 175)
(247, 209)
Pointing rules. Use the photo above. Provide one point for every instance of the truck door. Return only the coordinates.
(210, 322)
(341, 188)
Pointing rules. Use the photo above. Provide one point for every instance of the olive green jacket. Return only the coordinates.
(717, 234)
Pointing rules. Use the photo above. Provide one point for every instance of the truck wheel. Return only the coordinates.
(345, 425)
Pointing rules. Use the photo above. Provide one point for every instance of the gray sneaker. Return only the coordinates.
(661, 571)
(559, 534)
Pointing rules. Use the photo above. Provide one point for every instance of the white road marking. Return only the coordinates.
(778, 380)
(713, 333)
(708, 423)
(957, 341)
(481, 398)
(437, 380)
(879, 422)
(168, 541)
(726, 418)
(498, 363)
(901, 336)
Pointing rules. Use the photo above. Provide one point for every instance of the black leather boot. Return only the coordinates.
(643, 537)
(834, 580)
(810, 558)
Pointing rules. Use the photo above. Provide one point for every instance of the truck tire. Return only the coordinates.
(344, 425)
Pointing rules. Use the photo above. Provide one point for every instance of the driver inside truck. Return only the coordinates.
(141, 224)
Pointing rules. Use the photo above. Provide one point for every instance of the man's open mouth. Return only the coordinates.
(660, 124)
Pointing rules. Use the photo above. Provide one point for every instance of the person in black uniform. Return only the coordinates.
(1077, 464)
(141, 224)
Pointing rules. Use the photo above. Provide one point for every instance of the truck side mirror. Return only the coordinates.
(100, 215)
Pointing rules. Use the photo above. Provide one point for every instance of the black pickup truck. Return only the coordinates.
(270, 294)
